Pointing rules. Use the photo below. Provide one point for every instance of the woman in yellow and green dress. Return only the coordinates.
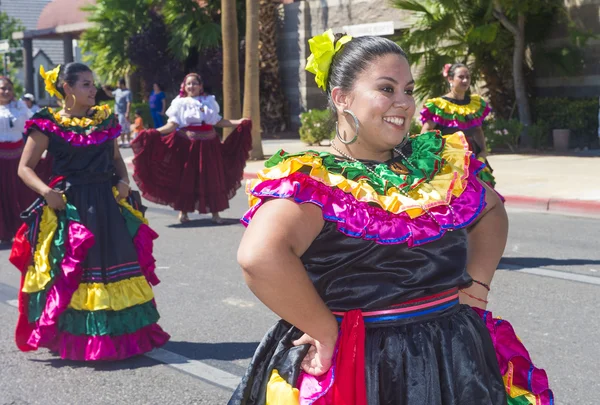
(85, 249)
(458, 110)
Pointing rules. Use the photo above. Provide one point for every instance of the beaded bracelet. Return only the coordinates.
(474, 297)
(481, 283)
(124, 182)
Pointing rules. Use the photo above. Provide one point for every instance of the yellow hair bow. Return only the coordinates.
(322, 51)
(50, 79)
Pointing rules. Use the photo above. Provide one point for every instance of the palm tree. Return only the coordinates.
(252, 78)
(273, 105)
(231, 64)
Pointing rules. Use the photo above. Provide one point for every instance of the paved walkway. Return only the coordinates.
(540, 182)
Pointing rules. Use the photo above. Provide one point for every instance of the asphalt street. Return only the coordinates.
(547, 286)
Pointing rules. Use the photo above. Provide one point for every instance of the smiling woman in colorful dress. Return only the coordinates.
(378, 255)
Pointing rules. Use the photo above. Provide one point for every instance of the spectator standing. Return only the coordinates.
(158, 105)
(123, 100)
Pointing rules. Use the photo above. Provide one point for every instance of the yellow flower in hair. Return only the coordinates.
(50, 79)
(322, 51)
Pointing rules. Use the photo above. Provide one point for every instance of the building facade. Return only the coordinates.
(302, 19)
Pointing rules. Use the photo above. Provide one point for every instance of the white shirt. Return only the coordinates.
(186, 111)
(12, 121)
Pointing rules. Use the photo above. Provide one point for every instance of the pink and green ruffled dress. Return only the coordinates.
(451, 115)
(87, 271)
(389, 266)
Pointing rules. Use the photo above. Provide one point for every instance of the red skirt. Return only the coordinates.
(191, 175)
(16, 196)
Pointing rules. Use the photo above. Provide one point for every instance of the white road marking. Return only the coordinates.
(162, 268)
(562, 275)
(196, 368)
(13, 303)
(236, 302)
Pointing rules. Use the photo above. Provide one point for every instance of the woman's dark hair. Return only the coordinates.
(454, 67)
(355, 57)
(138, 112)
(69, 73)
(160, 87)
(7, 79)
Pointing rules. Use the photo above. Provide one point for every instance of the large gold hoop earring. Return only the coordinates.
(356, 125)
(74, 102)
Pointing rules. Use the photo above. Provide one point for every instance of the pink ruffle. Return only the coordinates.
(108, 347)
(77, 243)
(361, 220)
(510, 349)
(427, 115)
(143, 242)
(73, 138)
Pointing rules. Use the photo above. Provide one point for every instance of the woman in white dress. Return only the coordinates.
(183, 163)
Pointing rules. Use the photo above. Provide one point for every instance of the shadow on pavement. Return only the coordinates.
(5, 245)
(205, 223)
(517, 263)
(131, 363)
(213, 351)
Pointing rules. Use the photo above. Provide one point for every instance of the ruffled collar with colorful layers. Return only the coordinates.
(440, 191)
(99, 127)
(443, 111)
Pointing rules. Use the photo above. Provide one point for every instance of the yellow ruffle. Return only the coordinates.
(101, 113)
(115, 296)
(450, 181)
(280, 392)
(38, 274)
(123, 203)
(450, 108)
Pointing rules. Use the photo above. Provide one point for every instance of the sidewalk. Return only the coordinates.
(566, 184)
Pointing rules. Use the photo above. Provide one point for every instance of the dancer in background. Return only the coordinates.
(15, 196)
(378, 255)
(123, 100)
(189, 168)
(85, 250)
(460, 111)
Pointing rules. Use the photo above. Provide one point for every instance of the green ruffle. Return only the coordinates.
(435, 110)
(487, 177)
(37, 300)
(113, 323)
(109, 122)
(423, 164)
(131, 222)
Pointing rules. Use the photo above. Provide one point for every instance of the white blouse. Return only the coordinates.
(12, 121)
(186, 111)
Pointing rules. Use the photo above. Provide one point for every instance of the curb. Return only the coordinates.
(555, 205)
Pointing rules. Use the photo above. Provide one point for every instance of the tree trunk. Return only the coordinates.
(521, 98)
(231, 65)
(251, 78)
(273, 105)
(519, 79)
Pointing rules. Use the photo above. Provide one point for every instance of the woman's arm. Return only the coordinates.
(428, 126)
(36, 144)
(164, 106)
(487, 240)
(270, 254)
(169, 127)
(480, 139)
(229, 123)
(121, 171)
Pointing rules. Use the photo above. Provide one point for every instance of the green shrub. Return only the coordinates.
(539, 133)
(142, 106)
(501, 133)
(316, 127)
(578, 115)
(415, 127)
